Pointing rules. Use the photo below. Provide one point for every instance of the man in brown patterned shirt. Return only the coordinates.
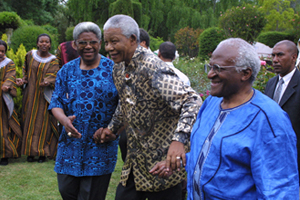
(158, 108)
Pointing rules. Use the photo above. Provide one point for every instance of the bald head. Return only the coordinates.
(290, 46)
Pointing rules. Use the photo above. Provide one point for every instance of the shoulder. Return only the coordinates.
(106, 61)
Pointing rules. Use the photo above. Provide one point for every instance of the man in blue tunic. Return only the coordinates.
(242, 144)
(84, 100)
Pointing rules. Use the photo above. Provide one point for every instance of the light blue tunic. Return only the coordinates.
(247, 152)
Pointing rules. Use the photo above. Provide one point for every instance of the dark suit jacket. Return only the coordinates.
(290, 102)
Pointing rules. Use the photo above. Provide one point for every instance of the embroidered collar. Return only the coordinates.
(4, 62)
(40, 59)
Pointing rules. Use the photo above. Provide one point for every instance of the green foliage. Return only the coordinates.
(208, 41)
(155, 42)
(187, 41)
(9, 20)
(263, 77)
(245, 22)
(137, 12)
(279, 14)
(69, 33)
(121, 7)
(27, 35)
(270, 38)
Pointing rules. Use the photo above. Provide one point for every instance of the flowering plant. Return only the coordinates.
(205, 95)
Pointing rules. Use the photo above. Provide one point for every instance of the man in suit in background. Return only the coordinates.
(285, 87)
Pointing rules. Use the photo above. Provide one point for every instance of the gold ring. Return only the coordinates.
(178, 157)
(69, 134)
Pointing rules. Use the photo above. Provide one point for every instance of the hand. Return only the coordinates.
(68, 124)
(160, 170)
(176, 154)
(104, 135)
(19, 82)
(44, 84)
(5, 88)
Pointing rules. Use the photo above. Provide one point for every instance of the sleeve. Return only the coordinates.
(181, 98)
(117, 120)
(274, 159)
(59, 95)
(25, 67)
(51, 71)
(10, 78)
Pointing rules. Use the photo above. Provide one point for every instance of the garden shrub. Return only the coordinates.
(209, 40)
(244, 22)
(270, 38)
(9, 20)
(155, 42)
(27, 35)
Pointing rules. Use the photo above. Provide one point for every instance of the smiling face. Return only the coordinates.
(283, 59)
(227, 82)
(44, 44)
(89, 52)
(119, 47)
(2, 52)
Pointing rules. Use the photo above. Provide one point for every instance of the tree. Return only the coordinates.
(245, 22)
(187, 41)
(279, 14)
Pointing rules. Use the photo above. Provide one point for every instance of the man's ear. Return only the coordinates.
(133, 39)
(246, 74)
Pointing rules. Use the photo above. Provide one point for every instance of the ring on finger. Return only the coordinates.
(69, 134)
(178, 157)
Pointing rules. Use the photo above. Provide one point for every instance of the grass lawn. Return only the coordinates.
(21, 180)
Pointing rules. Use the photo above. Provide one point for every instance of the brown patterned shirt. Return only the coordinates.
(158, 109)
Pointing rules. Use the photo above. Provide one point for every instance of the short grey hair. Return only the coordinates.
(126, 23)
(247, 56)
(86, 27)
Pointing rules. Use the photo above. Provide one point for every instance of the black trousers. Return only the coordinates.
(129, 192)
(83, 188)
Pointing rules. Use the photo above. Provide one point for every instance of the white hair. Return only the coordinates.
(86, 27)
(247, 56)
(126, 23)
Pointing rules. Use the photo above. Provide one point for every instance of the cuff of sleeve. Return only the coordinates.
(180, 137)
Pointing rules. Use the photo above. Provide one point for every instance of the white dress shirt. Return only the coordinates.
(286, 80)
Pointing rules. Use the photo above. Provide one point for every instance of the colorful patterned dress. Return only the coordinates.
(10, 131)
(92, 97)
(40, 135)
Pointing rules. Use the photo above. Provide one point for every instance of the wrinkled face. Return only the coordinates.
(228, 81)
(283, 59)
(119, 47)
(2, 52)
(44, 44)
(88, 47)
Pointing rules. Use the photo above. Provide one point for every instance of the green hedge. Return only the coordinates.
(9, 20)
(27, 35)
(270, 38)
(69, 33)
(209, 40)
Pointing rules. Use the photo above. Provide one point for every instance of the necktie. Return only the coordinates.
(278, 91)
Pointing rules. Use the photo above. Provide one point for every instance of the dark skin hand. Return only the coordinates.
(5, 88)
(176, 149)
(44, 84)
(104, 135)
(160, 170)
(68, 124)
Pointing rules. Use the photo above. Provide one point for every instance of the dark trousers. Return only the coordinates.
(129, 192)
(83, 188)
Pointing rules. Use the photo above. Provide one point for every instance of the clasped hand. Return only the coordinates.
(104, 135)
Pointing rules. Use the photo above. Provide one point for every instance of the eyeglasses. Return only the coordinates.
(216, 68)
(83, 44)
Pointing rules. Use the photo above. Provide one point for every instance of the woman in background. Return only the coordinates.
(10, 131)
(40, 133)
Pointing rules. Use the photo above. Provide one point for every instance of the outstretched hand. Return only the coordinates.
(68, 124)
(5, 88)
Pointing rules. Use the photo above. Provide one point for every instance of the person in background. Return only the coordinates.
(66, 52)
(167, 54)
(84, 100)
(285, 87)
(40, 131)
(158, 108)
(144, 39)
(10, 130)
(242, 145)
